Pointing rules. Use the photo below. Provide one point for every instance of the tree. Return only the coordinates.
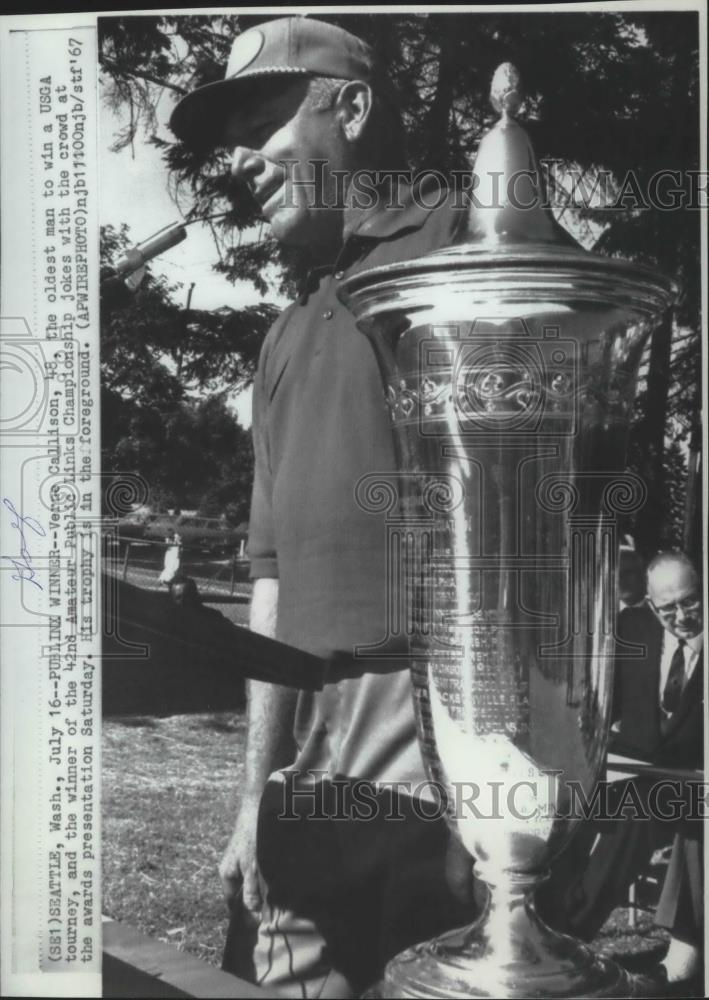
(194, 456)
(610, 95)
(165, 372)
(207, 349)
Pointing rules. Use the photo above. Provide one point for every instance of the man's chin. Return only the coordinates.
(290, 228)
(306, 229)
(688, 633)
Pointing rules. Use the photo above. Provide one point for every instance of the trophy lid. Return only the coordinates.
(508, 203)
(512, 242)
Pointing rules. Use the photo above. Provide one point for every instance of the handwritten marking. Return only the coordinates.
(23, 565)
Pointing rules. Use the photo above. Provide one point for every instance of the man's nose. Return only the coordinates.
(246, 164)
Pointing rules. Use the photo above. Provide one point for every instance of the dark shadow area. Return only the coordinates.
(161, 659)
(122, 980)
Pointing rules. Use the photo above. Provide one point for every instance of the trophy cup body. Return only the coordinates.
(510, 366)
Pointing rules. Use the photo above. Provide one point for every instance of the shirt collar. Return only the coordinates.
(697, 643)
(407, 208)
(396, 209)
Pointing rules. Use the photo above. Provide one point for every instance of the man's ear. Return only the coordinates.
(654, 610)
(354, 104)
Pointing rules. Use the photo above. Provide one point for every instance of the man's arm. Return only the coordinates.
(269, 746)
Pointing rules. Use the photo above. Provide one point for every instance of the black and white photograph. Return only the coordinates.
(353, 519)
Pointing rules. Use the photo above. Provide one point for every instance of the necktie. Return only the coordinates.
(675, 680)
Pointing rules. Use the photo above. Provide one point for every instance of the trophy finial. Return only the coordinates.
(510, 207)
(506, 90)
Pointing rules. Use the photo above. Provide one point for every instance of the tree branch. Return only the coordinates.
(114, 70)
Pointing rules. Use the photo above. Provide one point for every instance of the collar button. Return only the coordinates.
(339, 275)
(327, 314)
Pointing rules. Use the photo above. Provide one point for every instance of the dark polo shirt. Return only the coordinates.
(320, 424)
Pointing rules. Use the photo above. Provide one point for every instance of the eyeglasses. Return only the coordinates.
(687, 605)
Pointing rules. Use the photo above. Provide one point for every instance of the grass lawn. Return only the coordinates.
(170, 792)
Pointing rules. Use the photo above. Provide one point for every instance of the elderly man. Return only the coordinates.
(675, 596)
(658, 707)
(657, 698)
(339, 886)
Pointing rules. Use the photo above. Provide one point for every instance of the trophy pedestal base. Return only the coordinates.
(507, 952)
(422, 972)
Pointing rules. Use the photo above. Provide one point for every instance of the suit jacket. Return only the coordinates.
(636, 704)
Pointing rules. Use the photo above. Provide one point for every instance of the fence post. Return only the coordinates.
(125, 560)
(632, 902)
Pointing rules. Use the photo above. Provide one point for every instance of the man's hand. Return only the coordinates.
(238, 865)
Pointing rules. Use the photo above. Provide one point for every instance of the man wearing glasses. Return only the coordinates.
(674, 594)
(658, 695)
(675, 597)
(658, 712)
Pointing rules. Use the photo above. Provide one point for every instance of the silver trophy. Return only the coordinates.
(510, 363)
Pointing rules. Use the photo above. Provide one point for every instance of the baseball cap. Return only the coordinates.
(288, 46)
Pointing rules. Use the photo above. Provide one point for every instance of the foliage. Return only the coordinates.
(666, 507)
(195, 455)
(150, 344)
(612, 97)
(155, 357)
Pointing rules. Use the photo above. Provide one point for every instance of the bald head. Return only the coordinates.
(674, 592)
(184, 592)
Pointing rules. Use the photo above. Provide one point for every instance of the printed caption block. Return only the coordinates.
(50, 524)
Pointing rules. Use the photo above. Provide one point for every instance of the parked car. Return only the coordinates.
(158, 527)
(135, 526)
(210, 534)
